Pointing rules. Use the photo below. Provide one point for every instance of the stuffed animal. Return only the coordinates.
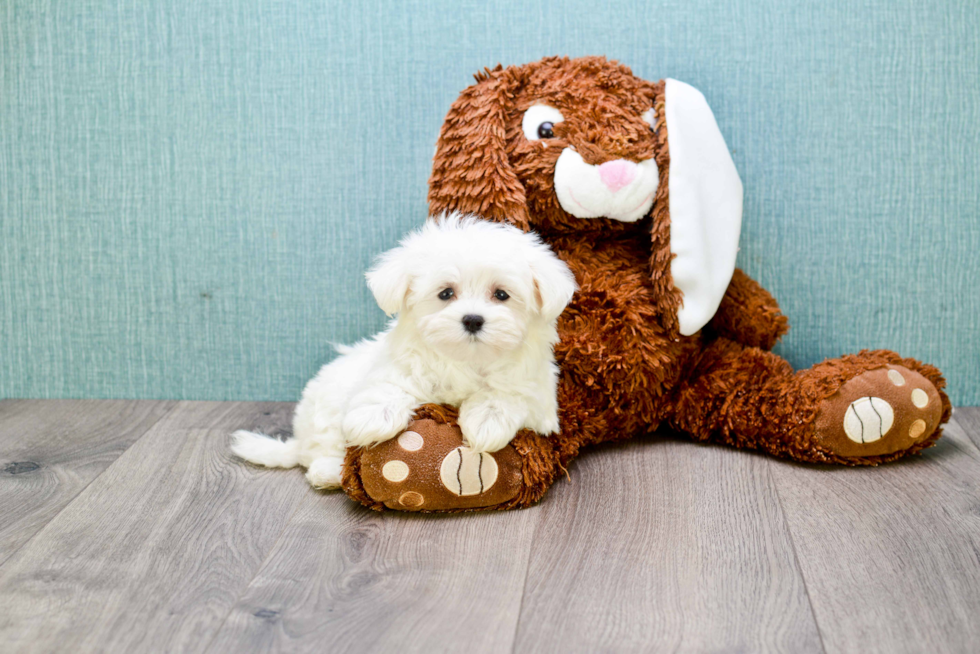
(632, 185)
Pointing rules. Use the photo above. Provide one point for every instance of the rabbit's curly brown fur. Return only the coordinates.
(625, 368)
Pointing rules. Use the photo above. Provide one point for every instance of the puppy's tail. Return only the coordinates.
(265, 450)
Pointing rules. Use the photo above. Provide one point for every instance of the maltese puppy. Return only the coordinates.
(477, 305)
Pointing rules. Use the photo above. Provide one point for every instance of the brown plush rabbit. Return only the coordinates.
(632, 185)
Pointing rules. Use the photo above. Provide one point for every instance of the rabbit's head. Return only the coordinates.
(582, 145)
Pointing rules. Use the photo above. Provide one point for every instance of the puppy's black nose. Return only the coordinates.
(473, 323)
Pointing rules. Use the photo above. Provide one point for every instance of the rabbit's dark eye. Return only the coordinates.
(539, 122)
(446, 294)
(500, 293)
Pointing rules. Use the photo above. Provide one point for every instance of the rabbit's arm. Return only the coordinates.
(748, 314)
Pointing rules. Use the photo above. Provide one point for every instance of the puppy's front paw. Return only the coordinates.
(374, 423)
(549, 426)
(485, 433)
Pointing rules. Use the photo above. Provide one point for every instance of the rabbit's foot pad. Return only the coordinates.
(428, 468)
(879, 412)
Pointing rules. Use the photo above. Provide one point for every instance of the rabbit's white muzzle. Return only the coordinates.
(619, 189)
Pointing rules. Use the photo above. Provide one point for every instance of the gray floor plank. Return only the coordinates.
(968, 419)
(153, 553)
(665, 545)
(891, 555)
(344, 579)
(51, 450)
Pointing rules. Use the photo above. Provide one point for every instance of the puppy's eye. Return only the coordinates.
(539, 122)
(500, 294)
(446, 294)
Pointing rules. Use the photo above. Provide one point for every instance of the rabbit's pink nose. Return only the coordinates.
(617, 174)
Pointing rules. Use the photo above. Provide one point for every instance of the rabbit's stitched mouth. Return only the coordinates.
(619, 189)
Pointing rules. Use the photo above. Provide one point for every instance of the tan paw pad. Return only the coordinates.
(465, 472)
(411, 441)
(395, 471)
(868, 419)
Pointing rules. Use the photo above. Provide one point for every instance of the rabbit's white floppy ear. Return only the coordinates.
(389, 280)
(705, 203)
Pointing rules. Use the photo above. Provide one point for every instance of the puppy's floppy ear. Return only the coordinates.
(705, 205)
(554, 283)
(390, 280)
(471, 170)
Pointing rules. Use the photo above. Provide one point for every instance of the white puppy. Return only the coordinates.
(476, 304)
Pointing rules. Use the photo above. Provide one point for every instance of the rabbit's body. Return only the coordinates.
(664, 330)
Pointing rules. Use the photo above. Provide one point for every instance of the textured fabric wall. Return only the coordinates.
(190, 191)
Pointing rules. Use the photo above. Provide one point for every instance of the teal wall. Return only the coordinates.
(190, 190)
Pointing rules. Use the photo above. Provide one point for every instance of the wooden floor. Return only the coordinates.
(127, 527)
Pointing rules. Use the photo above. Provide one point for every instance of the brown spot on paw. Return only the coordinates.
(427, 468)
(917, 428)
(879, 412)
(411, 499)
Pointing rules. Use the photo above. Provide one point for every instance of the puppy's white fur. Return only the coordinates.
(502, 378)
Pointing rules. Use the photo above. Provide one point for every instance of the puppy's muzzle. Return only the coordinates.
(473, 323)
